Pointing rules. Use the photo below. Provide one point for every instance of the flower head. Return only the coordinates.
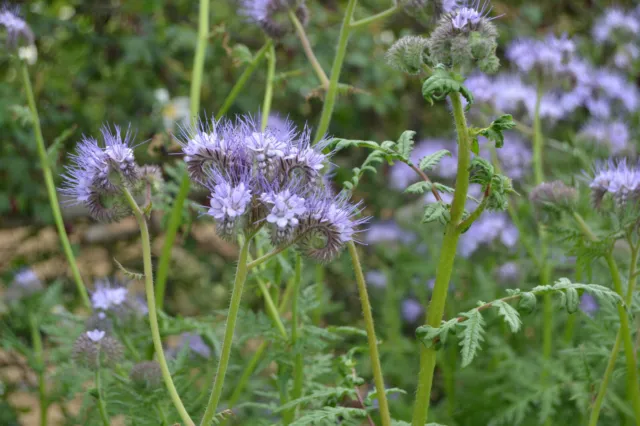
(25, 284)
(146, 375)
(412, 310)
(271, 15)
(549, 56)
(554, 194)
(95, 335)
(616, 25)
(612, 134)
(491, 227)
(589, 304)
(16, 26)
(108, 296)
(95, 349)
(231, 196)
(284, 211)
(619, 180)
(408, 54)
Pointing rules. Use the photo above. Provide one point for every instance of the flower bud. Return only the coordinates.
(554, 194)
(94, 349)
(146, 375)
(408, 54)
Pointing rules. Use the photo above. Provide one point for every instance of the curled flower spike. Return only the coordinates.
(16, 26)
(302, 160)
(465, 38)
(209, 146)
(231, 196)
(146, 375)
(95, 349)
(619, 180)
(271, 15)
(99, 171)
(328, 224)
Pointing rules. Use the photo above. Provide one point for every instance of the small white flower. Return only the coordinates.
(29, 54)
(95, 335)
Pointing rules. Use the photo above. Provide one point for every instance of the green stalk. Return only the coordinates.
(332, 92)
(268, 93)
(298, 368)
(175, 218)
(382, 15)
(232, 316)
(306, 46)
(38, 353)
(151, 302)
(385, 417)
(244, 77)
(445, 264)
(102, 406)
(317, 315)
(624, 332)
(51, 188)
(271, 307)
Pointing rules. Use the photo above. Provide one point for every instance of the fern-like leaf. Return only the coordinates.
(471, 336)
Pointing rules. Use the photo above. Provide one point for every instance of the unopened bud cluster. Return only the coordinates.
(269, 178)
(95, 349)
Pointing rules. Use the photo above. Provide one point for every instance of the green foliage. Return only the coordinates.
(442, 83)
(494, 132)
(437, 212)
(432, 160)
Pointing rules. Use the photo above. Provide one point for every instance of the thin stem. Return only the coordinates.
(102, 406)
(424, 177)
(262, 259)
(244, 77)
(366, 21)
(175, 218)
(608, 373)
(308, 50)
(232, 316)
(298, 368)
(38, 353)
(465, 224)
(538, 141)
(336, 68)
(151, 302)
(271, 307)
(371, 336)
(319, 278)
(268, 93)
(445, 264)
(51, 188)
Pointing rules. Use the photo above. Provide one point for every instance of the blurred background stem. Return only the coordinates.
(51, 188)
(38, 354)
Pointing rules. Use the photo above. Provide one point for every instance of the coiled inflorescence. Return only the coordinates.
(102, 170)
(465, 38)
(17, 28)
(95, 349)
(273, 179)
(272, 15)
(619, 180)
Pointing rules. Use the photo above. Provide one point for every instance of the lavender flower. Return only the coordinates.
(491, 227)
(231, 196)
(412, 310)
(94, 349)
(25, 284)
(271, 15)
(618, 179)
(626, 55)
(615, 24)
(612, 134)
(286, 209)
(589, 304)
(548, 56)
(16, 26)
(196, 343)
(99, 171)
(376, 278)
(508, 273)
(387, 232)
(108, 295)
(95, 335)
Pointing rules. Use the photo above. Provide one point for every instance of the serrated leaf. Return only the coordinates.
(494, 131)
(437, 211)
(419, 188)
(572, 300)
(128, 273)
(509, 314)
(54, 149)
(338, 144)
(443, 82)
(471, 336)
(432, 160)
(527, 302)
(405, 143)
(426, 334)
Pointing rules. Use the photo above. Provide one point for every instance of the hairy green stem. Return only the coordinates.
(151, 304)
(308, 50)
(371, 336)
(244, 77)
(268, 93)
(175, 218)
(51, 188)
(102, 406)
(232, 316)
(445, 264)
(298, 366)
(319, 278)
(336, 68)
(38, 353)
(272, 311)
(366, 21)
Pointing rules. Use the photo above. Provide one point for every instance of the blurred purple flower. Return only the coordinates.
(402, 176)
(412, 310)
(387, 232)
(491, 227)
(612, 134)
(615, 23)
(588, 304)
(618, 179)
(376, 278)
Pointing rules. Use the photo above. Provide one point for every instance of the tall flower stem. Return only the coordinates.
(308, 50)
(102, 406)
(336, 68)
(51, 188)
(36, 340)
(445, 264)
(382, 15)
(298, 363)
(371, 336)
(624, 332)
(175, 218)
(153, 315)
(545, 270)
(232, 316)
(268, 93)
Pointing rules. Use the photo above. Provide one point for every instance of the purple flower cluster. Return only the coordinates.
(616, 25)
(271, 15)
(16, 26)
(548, 56)
(619, 180)
(412, 310)
(491, 227)
(273, 178)
(614, 134)
(25, 283)
(107, 295)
